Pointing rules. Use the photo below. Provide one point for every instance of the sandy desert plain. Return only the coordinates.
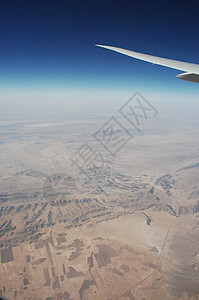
(125, 229)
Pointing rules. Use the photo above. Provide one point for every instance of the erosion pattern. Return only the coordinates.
(120, 232)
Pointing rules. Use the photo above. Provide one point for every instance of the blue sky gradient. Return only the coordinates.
(47, 48)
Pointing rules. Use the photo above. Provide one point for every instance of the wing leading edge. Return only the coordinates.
(192, 70)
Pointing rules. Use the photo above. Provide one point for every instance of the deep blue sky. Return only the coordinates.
(48, 46)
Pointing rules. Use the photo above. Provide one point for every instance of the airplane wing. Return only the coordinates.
(192, 70)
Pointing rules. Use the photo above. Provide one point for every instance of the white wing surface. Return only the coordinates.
(192, 70)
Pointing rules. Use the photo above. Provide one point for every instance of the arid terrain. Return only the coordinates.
(123, 226)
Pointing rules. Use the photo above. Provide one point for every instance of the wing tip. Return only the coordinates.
(107, 47)
(98, 45)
